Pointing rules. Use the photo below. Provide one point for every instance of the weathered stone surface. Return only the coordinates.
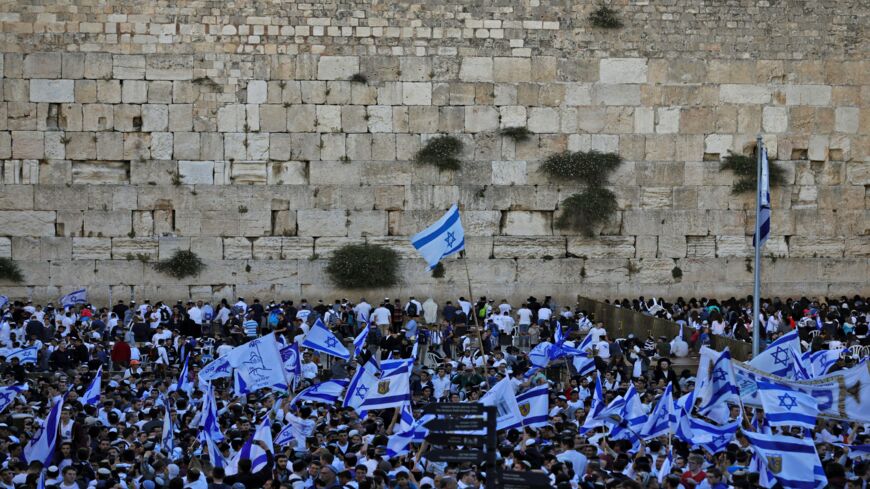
(313, 222)
(602, 247)
(623, 70)
(52, 91)
(27, 223)
(814, 247)
(91, 248)
(196, 172)
(524, 223)
(237, 249)
(142, 249)
(528, 247)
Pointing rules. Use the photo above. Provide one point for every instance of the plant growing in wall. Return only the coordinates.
(441, 151)
(605, 17)
(438, 271)
(182, 263)
(746, 169)
(10, 271)
(363, 266)
(518, 134)
(585, 210)
(359, 78)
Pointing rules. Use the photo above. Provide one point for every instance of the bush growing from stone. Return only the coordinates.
(363, 266)
(181, 264)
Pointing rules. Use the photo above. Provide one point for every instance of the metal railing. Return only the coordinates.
(620, 322)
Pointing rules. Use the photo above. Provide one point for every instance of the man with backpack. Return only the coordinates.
(413, 307)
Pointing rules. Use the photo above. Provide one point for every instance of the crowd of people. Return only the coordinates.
(462, 350)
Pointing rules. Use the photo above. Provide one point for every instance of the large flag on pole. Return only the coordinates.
(663, 419)
(792, 461)
(210, 425)
(326, 392)
(362, 381)
(320, 338)
(441, 239)
(9, 393)
(259, 364)
(784, 406)
(92, 395)
(392, 390)
(41, 446)
(78, 297)
(167, 438)
(252, 451)
(776, 358)
(764, 213)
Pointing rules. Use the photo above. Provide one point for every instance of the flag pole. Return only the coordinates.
(476, 326)
(756, 290)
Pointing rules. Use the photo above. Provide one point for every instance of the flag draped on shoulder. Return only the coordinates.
(764, 211)
(784, 406)
(793, 462)
(321, 339)
(41, 446)
(258, 364)
(441, 239)
(78, 297)
(92, 394)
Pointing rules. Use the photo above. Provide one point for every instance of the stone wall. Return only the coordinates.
(129, 130)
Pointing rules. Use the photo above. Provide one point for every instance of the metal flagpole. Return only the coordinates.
(476, 326)
(756, 291)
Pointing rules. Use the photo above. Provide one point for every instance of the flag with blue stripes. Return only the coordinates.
(632, 417)
(441, 239)
(78, 297)
(183, 383)
(663, 419)
(24, 355)
(359, 343)
(533, 405)
(818, 362)
(362, 381)
(92, 394)
(9, 393)
(665, 469)
(784, 406)
(793, 462)
(210, 424)
(391, 390)
(320, 338)
(41, 446)
(214, 454)
(326, 392)
(216, 369)
(777, 359)
(253, 452)
(764, 212)
(715, 380)
(292, 362)
(598, 404)
(400, 443)
(167, 438)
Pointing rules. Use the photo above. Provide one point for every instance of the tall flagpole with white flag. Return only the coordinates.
(762, 231)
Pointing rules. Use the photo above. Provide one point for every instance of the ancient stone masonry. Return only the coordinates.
(238, 130)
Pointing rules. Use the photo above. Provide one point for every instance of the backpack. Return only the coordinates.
(164, 316)
(412, 309)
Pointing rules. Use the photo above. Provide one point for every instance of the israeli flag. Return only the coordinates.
(210, 425)
(533, 405)
(183, 383)
(784, 406)
(292, 362)
(391, 390)
(663, 419)
(400, 443)
(441, 239)
(593, 419)
(92, 395)
(41, 446)
(666, 468)
(215, 369)
(359, 342)
(326, 392)
(321, 339)
(167, 439)
(9, 393)
(78, 297)
(3, 301)
(764, 212)
(716, 384)
(793, 462)
(819, 362)
(632, 417)
(253, 452)
(258, 363)
(24, 355)
(777, 359)
(214, 454)
(361, 383)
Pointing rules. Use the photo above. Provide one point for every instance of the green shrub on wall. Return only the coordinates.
(441, 151)
(181, 264)
(746, 169)
(363, 266)
(10, 271)
(588, 167)
(605, 17)
(585, 210)
(518, 134)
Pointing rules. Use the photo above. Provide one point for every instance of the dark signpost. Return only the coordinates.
(511, 479)
(455, 424)
(464, 417)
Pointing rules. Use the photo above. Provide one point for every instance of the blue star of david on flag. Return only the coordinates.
(320, 338)
(331, 342)
(441, 239)
(362, 391)
(787, 401)
(780, 356)
(450, 239)
(719, 375)
(786, 406)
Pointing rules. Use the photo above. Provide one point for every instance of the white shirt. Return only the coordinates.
(544, 314)
(504, 307)
(525, 315)
(242, 305)
(309, 370)
(195, 315)
(363, 310)
(596, 333)
(441, 386)
(301, 429)
(466, 307)
(381, 316)
(603, 349)
(506, 324)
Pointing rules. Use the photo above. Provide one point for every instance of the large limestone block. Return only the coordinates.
(134, 248)
(366, 223)
(297, 248)
(543, 120)
(315, 222)
(27, 223)
(814, 247)
(606, 270)
(528, 247)
(42, 65)
(774, 119)
(91, 248)
(169, 67)
(237, 249)
(602, 247)
(808, 95)
(744, 94)
(57, 91)
(324, 247)
(249, 172)
(475, 69)
(337, 67)
(623, 70)
(267, 248)
(5, 248)
(481, 119)
(616, 94)
(509, 172)
(107, 223)
(512, 70)
(525, 223)
(16, 197)
(700, 246)
(196, 172)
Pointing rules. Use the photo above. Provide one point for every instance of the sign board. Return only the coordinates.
(511, 479)
(455, 424)
(455, 408)
(455, 440)
(456, 456)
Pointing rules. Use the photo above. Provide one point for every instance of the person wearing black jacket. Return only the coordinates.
(61, 359)
(253, 480)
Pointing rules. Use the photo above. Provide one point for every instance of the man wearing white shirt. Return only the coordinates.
(465, 306)
(309, 368)
(597, 332)
(195, 314)
(504, 307)
(506, 323)
(362, 310)
(381, 317)
(603, 349)
(524, 317)
(241, 305)
(544, 314)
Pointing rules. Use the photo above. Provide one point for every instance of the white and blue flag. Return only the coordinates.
(777, 358)
(214, 454)
(3, 301)
(253, 452)
(400, 443)
(593, 419)
(9, 393)
(764, 191)
(632, 417)
(292, 362)
(392, 390)
(183, 383)
(534, 406)
(784, 406)
(326, 392)
(167, 438)
(663, 419)
(359, 342)
(41, 446)
(441, 239)
(793, 462)
(819, 362)
(210, 425)
(78, 297)
(503, 397)
(216, 369)
(24, 355)
(716, 384)
(258, 364)
(92, 394)
(361, 383)
(321, 339)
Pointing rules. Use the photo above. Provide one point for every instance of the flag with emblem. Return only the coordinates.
(503, 397)
(391, 390)
(533, 405)
(784, 406)
(320, 338)
(793, 462)
(360, 384)
(441, 239)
